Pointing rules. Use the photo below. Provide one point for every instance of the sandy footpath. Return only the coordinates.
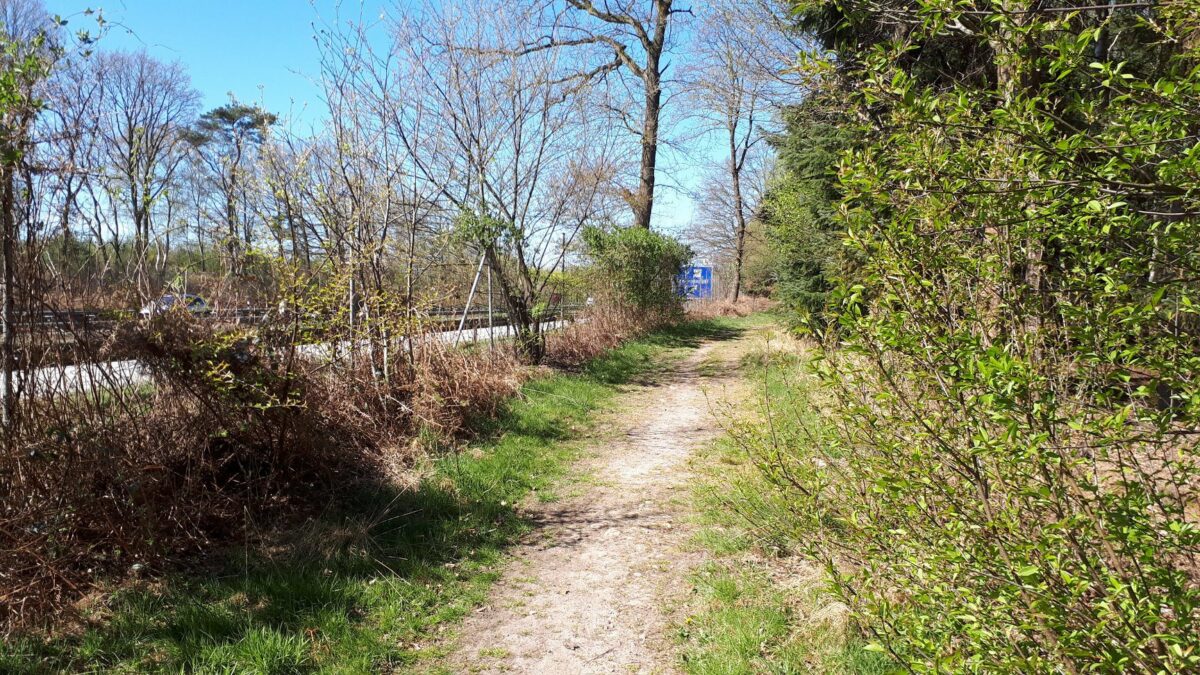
(586, 592)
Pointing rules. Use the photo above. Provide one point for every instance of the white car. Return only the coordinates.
(194, 304)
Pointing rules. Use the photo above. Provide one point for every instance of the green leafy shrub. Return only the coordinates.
(1006, 479)
(639, 267)
(801, 205)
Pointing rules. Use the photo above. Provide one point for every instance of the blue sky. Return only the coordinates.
(260, 51)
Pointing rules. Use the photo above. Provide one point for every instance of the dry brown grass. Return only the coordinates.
(745, 306)
(235, 427)
(597, 331)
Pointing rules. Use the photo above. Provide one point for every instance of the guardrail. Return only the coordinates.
(54, 337)
(84, 320)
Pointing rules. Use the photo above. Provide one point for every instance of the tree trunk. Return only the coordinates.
(735, 171)
(8, 353)
(530, 340)
(643, 207)
(232, 243)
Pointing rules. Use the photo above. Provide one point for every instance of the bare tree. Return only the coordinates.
(71, 132)
(284, 163)
(715, 233)
(70, 159)
(146, 106)
(732, 99)
(225, 142)
(501, 142)
(636, 37)
(769, 41)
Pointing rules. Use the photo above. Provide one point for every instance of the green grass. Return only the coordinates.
(757, 608)
(750, 624)
(370, 584)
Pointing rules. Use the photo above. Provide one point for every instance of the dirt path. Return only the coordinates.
(586, 593)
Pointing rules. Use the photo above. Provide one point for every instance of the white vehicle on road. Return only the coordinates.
(192, 303)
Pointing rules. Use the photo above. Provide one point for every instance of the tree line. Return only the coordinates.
(455, 134)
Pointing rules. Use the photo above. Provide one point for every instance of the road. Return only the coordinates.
(124, 374)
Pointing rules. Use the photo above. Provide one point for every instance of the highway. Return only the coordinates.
(58, 380)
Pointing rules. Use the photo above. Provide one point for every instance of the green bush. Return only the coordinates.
(1006, 478)
(801, 205)
(639, 267)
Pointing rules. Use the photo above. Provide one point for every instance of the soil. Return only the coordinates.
(588, 592)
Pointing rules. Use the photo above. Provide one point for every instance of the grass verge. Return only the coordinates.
(368, 585)
(756, 607)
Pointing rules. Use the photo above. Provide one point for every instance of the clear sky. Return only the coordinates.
(261, 51)
(258, 50)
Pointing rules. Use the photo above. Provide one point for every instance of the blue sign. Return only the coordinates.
(695, 283)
